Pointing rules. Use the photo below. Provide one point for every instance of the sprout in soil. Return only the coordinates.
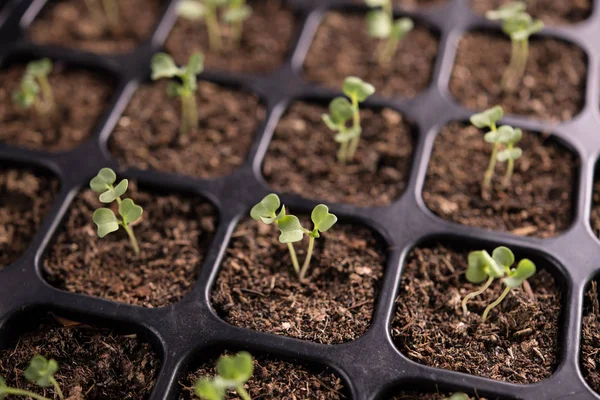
(291, 229)
(341, 111)
(41, 372)
(234, 13)
(35, 90)
(105, 218)
(184, 85)
(458, 396)
(232, 372)
(519, 26)
(107, 11)
(483, 267)
(381, 25)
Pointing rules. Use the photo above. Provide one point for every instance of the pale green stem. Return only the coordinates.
(509, 77)
(20, 392)
(388, 51)
(311, 245)
(494, 304)
(242, 392)
(189, 115)
(487, 178)
(214, 29)
(132, 238)
(355, 126)
(48, 96)
(343, 152)
(509, 169)
(475, 294)
(57, 389)
(294, 258)
(523, 56)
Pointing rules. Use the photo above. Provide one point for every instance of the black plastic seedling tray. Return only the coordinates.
(371, 367)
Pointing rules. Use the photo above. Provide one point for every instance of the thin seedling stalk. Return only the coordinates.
(242, 392)
(214, 29)
(294, 257)
(355, 126)
(489, 172)
(309, 252)
(57, 388)
(475, 294)
(25, 393)
(47, 104)
(494, 304)
(509, 169)
(189, 114)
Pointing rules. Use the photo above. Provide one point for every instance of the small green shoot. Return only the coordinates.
(519, 26)
(41, 372)
(381, 25)
(107, 12)
(232, 372)
(459, 396)
(184, 85)
(105, 218)
(483, 267)
(341, 110)
(35, 90)
(291, 228)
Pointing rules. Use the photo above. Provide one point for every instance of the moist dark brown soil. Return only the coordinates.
(69, 23)
(342, 48)
(538, 203)
(174, 233)
(265, 43)
(519, 341)
(25, 198)
(80, 97)
(595, 214)
(94, 364)
(258, 289)
(590, 336)
(553, 87)
(376, 177)
(550, 11)
(147, 134)
(274, 379)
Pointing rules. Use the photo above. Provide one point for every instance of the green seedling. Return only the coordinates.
(184, 86)
(232, 12)
(104, 11)
(341, 110)
(41, 372)
(483, 267)
(381, 25)
(519, 26)
(232, 373)
(35, 90)
(459, 396)
(509, 136)
(291, 228)
(105, 218)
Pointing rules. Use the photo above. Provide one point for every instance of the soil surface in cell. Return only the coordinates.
(94, 364)
(258, 289)
(147, 134)
(264, 45)
(301, 158)
(519, 341)
(25, 198)
(174, 233)
(72, 23)
(80, 98)
(274, 379)
(539, 201)
(552, 12)
(553, 87)
(342, 48)
(595, 214)
(590, 337)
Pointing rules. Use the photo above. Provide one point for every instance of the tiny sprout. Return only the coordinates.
(381, 25)
(519, 26)
(483, 267)
(184, 86)
(105, 218)
(291, 229)
(458, 396)
(232, 373)
(35, 90)
(41, 372)
(341, 111)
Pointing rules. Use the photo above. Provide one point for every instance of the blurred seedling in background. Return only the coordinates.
(184, 86)
(291, 228)
(483, 267)
(458, 396)
(41, 372)
(381, 25)
(104, 11)
(105, 218)
(519, 26)
(215, 13)
(342, 110)
(35, 90)
(232, 372)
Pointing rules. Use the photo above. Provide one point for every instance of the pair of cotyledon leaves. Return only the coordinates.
(40, 371)
(29, 88)
(232, 371)
(516, 22)
(380, 25)
(163, 66)
(505, 134)
(482, 265)
(236, 10)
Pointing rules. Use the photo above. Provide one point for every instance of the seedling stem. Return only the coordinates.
(489, 172)
(475, 294)
(495, 303)
(25, 393)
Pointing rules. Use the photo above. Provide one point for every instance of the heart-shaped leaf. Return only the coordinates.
(106, 221)
(509, 154)
(163, 66)
(509, 135)
(291, 229)
(237, 368)
(322, 218)
(265, 210)
(487, 118)
(458, 396)
(506, 11)
(40, 371)
(206, 389)
(340, 110)
(195, 64)
(354, 86)
(375, 3)
(39, 68)
(482, 265)
(112, 193)
(401, 27)
(237, 14)
(525, 270)
(130, 211)
(103, 180)
(503, 256)
(378, 24)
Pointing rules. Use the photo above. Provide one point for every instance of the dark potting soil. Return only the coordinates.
(301, 158)
(80, 97)
(538, 203)
(94, 364)
(595, 214)
(147, 134)
(25, 199)
(342, 48)
(258, 289)
(174, 233)
(70, 23)
(265, 42)
(590, 338)
(519, 341)
(552, 12)
(553, 87)
(275, 379)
